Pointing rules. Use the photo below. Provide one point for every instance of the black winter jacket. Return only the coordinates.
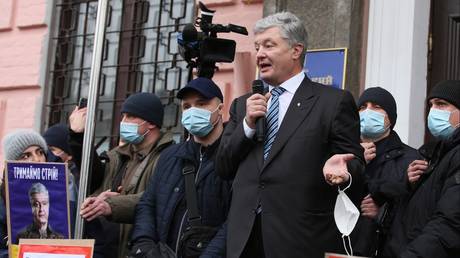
(160, 212)
(386, 179)
(427, 223)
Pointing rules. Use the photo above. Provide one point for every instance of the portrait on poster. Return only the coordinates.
(37, 201)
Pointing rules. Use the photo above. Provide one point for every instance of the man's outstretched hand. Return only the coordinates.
(335, 169)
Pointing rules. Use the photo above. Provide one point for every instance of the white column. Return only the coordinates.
(397, 53)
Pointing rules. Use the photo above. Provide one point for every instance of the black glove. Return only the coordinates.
(144, 248)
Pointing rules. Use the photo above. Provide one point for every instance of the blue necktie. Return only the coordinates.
(272, 120)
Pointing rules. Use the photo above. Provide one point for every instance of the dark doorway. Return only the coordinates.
(444, 43)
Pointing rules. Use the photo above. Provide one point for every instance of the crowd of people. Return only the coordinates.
(330, 174)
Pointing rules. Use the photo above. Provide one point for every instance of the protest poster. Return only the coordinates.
(36, 200)
(56, 248)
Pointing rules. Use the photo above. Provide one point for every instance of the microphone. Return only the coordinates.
(258, 87)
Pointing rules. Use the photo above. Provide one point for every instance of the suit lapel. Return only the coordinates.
(259, 156)
(257, 153)
(299, 108)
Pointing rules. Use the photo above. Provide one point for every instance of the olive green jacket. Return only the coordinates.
(139, 168)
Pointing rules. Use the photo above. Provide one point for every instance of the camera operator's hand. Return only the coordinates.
(77, 120)
(256, 106)
(144, 248)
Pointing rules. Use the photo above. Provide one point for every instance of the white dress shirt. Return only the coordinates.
(291, 86)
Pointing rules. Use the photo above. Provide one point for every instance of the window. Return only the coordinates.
(140, 54)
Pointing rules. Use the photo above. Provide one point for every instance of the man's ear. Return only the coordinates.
(151, 126)
(221, 108)
(297, 51)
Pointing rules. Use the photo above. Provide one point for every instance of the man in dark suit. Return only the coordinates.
(285, 186)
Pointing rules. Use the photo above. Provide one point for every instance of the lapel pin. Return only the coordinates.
(298, 104)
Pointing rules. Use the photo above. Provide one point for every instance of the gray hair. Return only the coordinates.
(290, 26)
(37, 188)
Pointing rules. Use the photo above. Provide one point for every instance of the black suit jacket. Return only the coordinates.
(297, 217)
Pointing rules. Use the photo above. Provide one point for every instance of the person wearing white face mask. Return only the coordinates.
(387, 158)
(168, 216)
(427, 220)
(127, 172)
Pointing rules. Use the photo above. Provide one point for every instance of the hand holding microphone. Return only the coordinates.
(256, 108)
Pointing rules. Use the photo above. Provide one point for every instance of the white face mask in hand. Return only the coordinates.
(345, 215)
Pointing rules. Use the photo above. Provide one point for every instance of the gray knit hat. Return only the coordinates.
(16, 142)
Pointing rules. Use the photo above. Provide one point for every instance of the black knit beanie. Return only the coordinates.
(382, 98)
(447, 90)
(57, 136)
(146, 106)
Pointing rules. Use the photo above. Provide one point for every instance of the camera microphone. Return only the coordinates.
(258, 87)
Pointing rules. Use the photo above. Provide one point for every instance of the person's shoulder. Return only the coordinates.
(329, 94)
(406, 150)
(25, 232)
(53, 234)
(453, 156)
(115, 152)
(242, 98)
(409, 151)
(323, 89)
(173, 150)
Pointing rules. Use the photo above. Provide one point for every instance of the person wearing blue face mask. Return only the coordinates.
(127, 171)
(427, 220)
(387, 158)
(166, 216)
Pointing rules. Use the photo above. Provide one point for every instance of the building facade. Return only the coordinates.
(46, 49)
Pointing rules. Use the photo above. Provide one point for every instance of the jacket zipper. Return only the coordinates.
(186, 211)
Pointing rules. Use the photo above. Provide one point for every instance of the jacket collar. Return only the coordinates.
(129, 151)
(453, 140)
(192, 150)
(390, 147)
(434, 152)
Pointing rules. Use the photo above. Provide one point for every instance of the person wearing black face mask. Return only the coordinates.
(127, 172)
(387, 158)
(168, 216)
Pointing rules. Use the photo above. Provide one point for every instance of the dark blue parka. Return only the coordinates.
(160, 212)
